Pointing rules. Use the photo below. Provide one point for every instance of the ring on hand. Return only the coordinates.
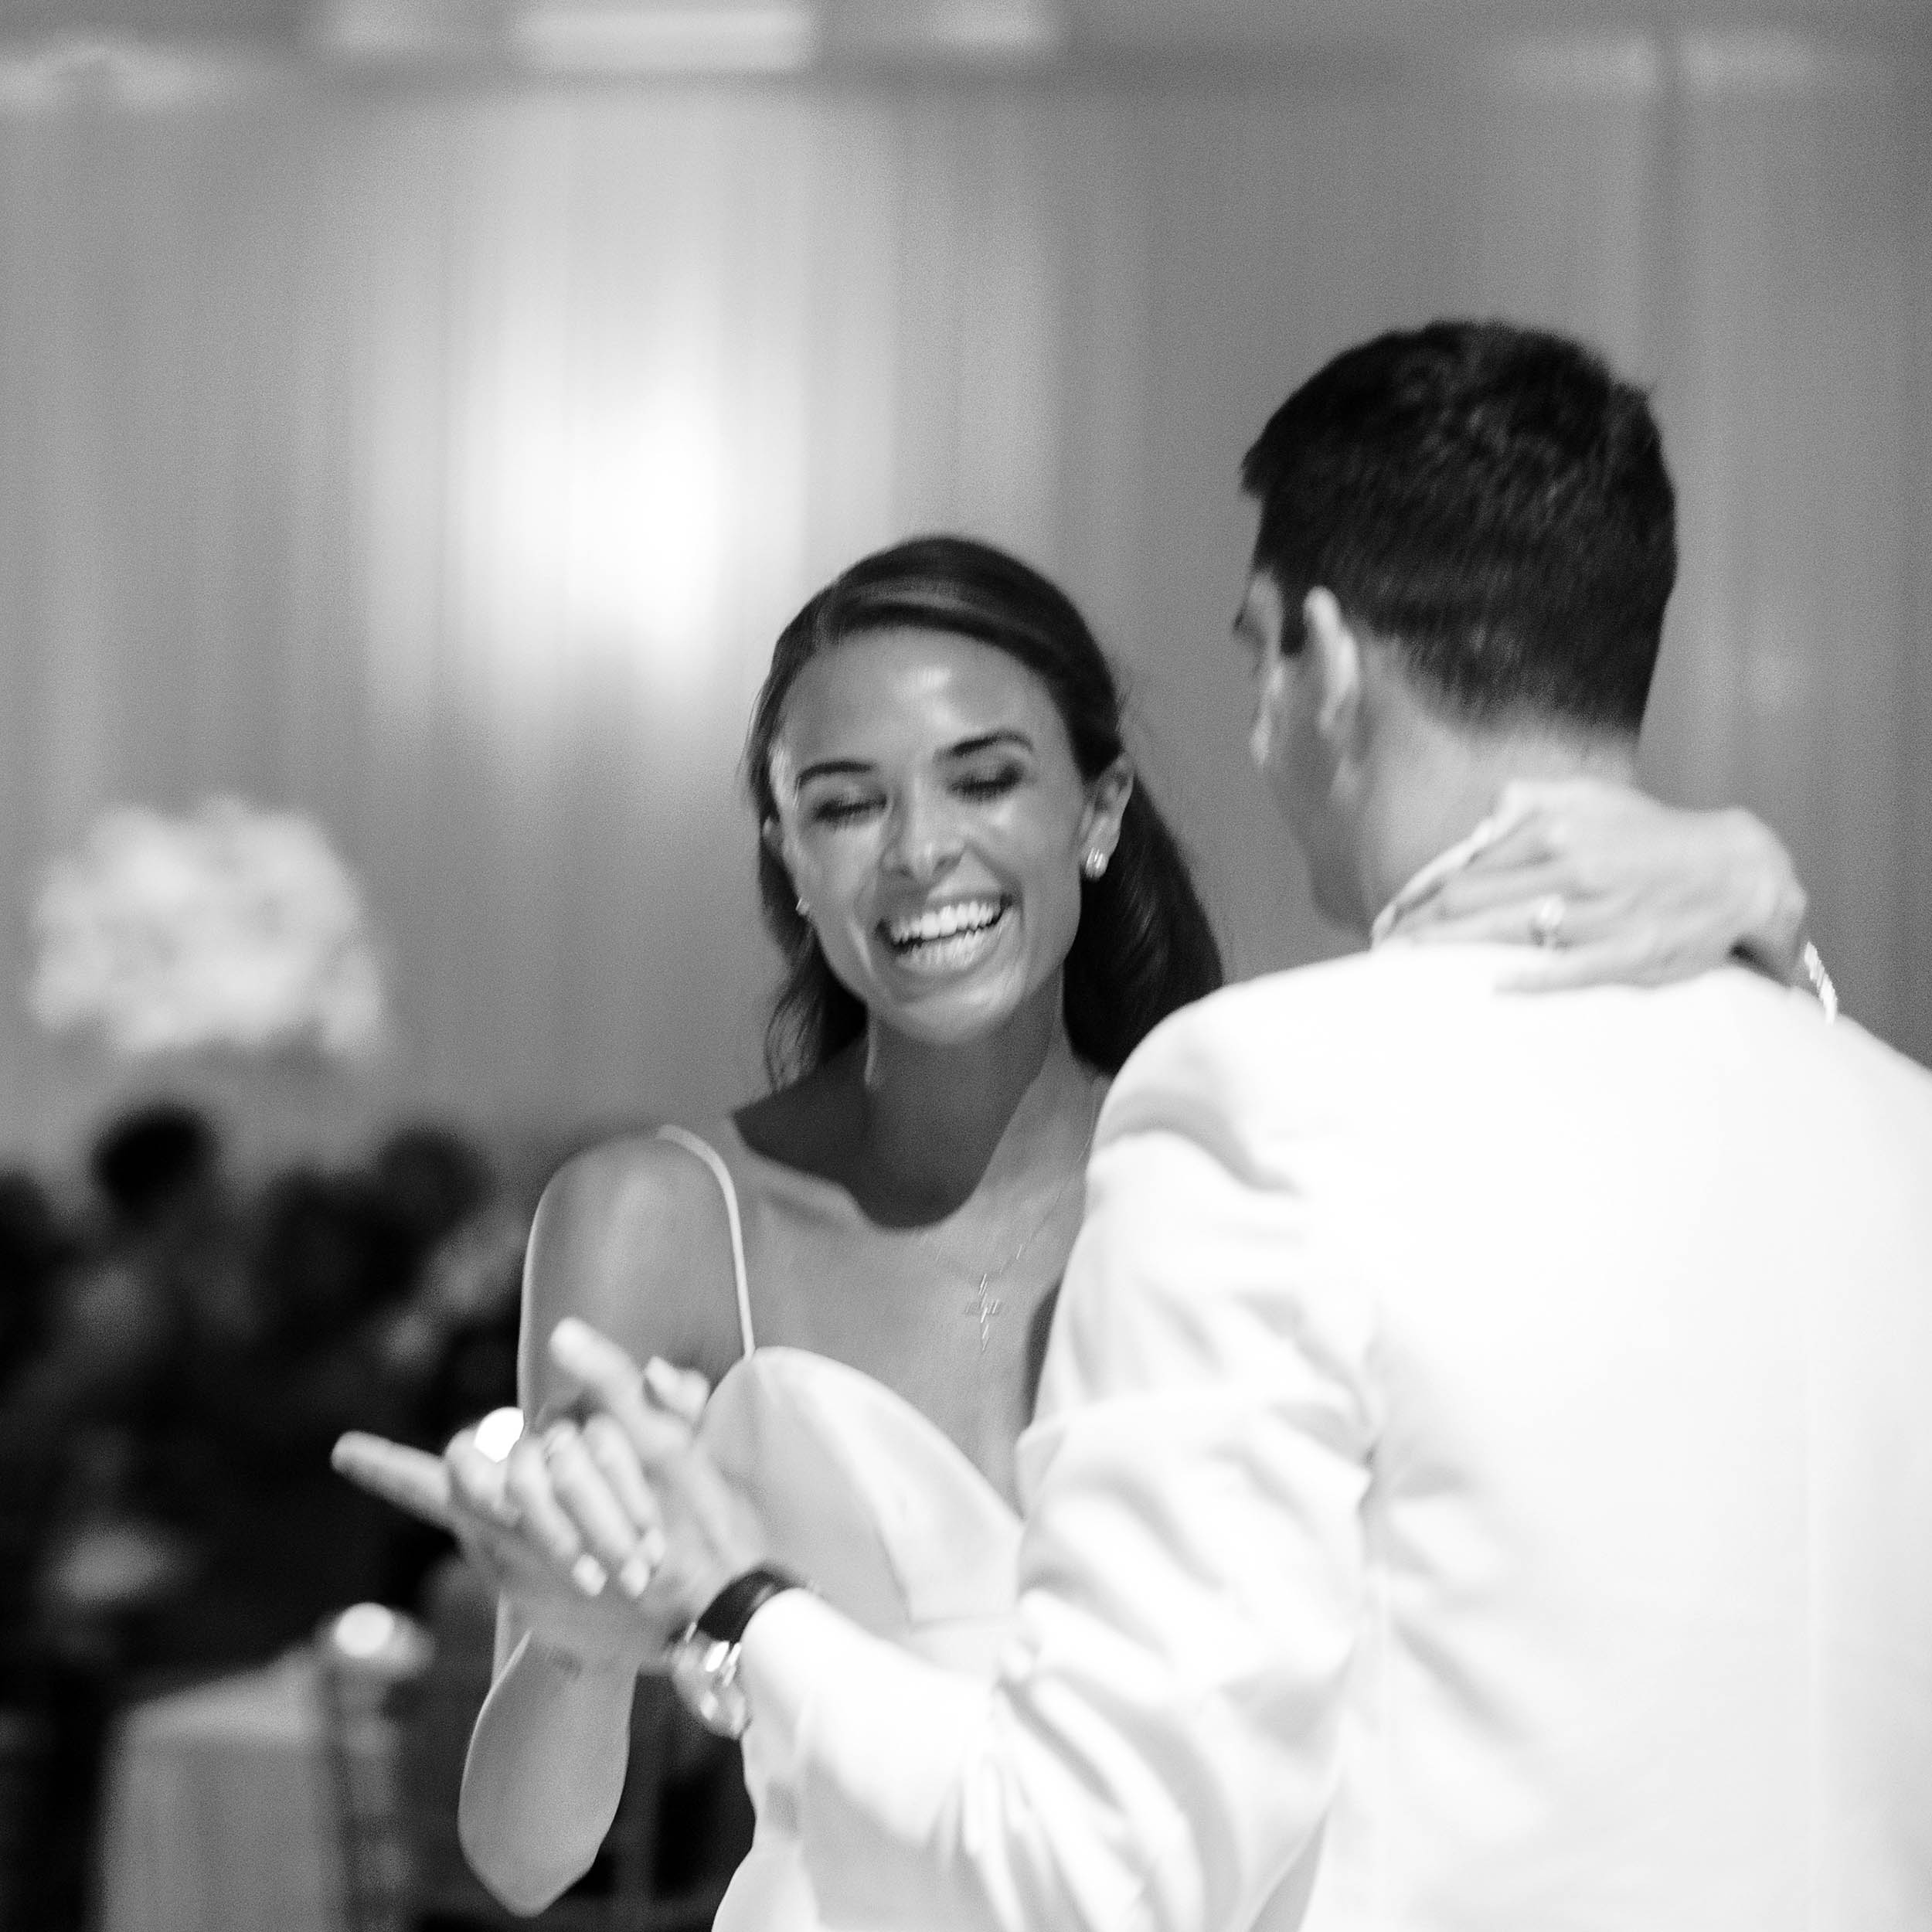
(1546, 920)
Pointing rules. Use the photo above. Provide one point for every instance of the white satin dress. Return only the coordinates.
(891, 1520)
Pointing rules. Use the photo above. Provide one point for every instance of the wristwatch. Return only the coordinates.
(704, 1660)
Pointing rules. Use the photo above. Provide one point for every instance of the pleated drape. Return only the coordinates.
(440, 458)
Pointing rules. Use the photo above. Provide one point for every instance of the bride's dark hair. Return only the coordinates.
(1144, 946)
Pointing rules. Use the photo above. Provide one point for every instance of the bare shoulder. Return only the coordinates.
(631, 1236)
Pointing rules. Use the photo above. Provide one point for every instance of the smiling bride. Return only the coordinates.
(982, 914)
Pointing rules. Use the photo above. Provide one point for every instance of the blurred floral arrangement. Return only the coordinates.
(227, 929)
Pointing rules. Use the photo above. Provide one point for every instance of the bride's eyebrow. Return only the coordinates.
(990, 741)
(832, 768)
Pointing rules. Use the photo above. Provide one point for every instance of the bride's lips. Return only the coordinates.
(946, 938)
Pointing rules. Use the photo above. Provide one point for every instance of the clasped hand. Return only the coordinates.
(609, 1528)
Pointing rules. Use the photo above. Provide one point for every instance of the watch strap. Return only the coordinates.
(724, 1618)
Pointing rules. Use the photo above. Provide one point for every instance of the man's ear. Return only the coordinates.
(1334, 670)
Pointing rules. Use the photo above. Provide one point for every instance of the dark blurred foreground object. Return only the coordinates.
(174, 1367)
(34, 1248)
(321, 1266)
(171, 1381)
(34, 1252)
(148, 1160)
(432, 1179)
(27, 1749)
(452, 1340)
(93, 1416)
(684, 1825)
(456, 1333)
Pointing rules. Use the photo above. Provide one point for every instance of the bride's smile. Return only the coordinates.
(948, 938)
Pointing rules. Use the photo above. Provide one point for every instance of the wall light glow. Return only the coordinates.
(602, 533)
(644, 537)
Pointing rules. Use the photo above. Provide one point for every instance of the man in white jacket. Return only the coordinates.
(1483, 1474)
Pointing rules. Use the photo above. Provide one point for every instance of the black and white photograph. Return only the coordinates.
(966, 965)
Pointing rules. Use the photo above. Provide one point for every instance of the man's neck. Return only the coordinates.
(1444, 781)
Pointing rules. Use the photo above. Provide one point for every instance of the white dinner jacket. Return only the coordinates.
(1482, 1483)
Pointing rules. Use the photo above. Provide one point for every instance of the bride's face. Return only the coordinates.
(934, 821)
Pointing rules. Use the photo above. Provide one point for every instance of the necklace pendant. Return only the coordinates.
(982, 1309)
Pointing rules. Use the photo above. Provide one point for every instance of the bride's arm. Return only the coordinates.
(1638, 891)
(547, 1759)
(545, 1766)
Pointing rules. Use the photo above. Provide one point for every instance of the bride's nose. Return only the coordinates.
(922, 839)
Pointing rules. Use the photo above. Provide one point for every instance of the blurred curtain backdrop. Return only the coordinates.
(441, 458)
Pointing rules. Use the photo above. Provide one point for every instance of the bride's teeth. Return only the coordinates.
(944, 921)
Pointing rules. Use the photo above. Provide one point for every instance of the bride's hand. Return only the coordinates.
(710, 1532)
(507, 1516)
(1617, 886)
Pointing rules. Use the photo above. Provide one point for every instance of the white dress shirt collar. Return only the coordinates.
(1429, 877)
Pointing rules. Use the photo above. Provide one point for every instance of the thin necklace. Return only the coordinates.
(984, 1304)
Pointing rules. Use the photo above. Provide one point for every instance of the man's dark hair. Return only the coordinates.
(1491, 500)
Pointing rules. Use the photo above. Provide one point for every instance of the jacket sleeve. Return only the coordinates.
(1161, 1745)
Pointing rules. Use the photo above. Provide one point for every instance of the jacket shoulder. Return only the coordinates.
(1320, 1019)
(1257, 1046)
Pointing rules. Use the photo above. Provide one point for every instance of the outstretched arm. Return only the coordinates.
(619, 1238)
(538, 1797)
(548, 1756)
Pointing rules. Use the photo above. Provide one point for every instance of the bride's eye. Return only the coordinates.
(995, 783)
(841, 810)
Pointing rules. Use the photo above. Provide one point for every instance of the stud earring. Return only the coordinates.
(1095, 864)
(805, 911)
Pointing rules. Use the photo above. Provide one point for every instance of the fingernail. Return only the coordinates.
(635, 1576)
(589, 1575)
(665, 1382)
(650, 1547)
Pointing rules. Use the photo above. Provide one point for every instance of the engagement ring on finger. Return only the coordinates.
(1546, 921)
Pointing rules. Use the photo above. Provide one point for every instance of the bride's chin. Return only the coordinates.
(963, 1016)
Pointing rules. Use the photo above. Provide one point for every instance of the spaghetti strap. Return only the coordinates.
(694, 1144)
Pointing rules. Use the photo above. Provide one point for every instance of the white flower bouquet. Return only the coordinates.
(230, 929)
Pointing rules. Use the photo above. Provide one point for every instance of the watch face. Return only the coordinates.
(704, 1672)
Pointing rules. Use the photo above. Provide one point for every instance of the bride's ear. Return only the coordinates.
(772, 834)
(1106, 798)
